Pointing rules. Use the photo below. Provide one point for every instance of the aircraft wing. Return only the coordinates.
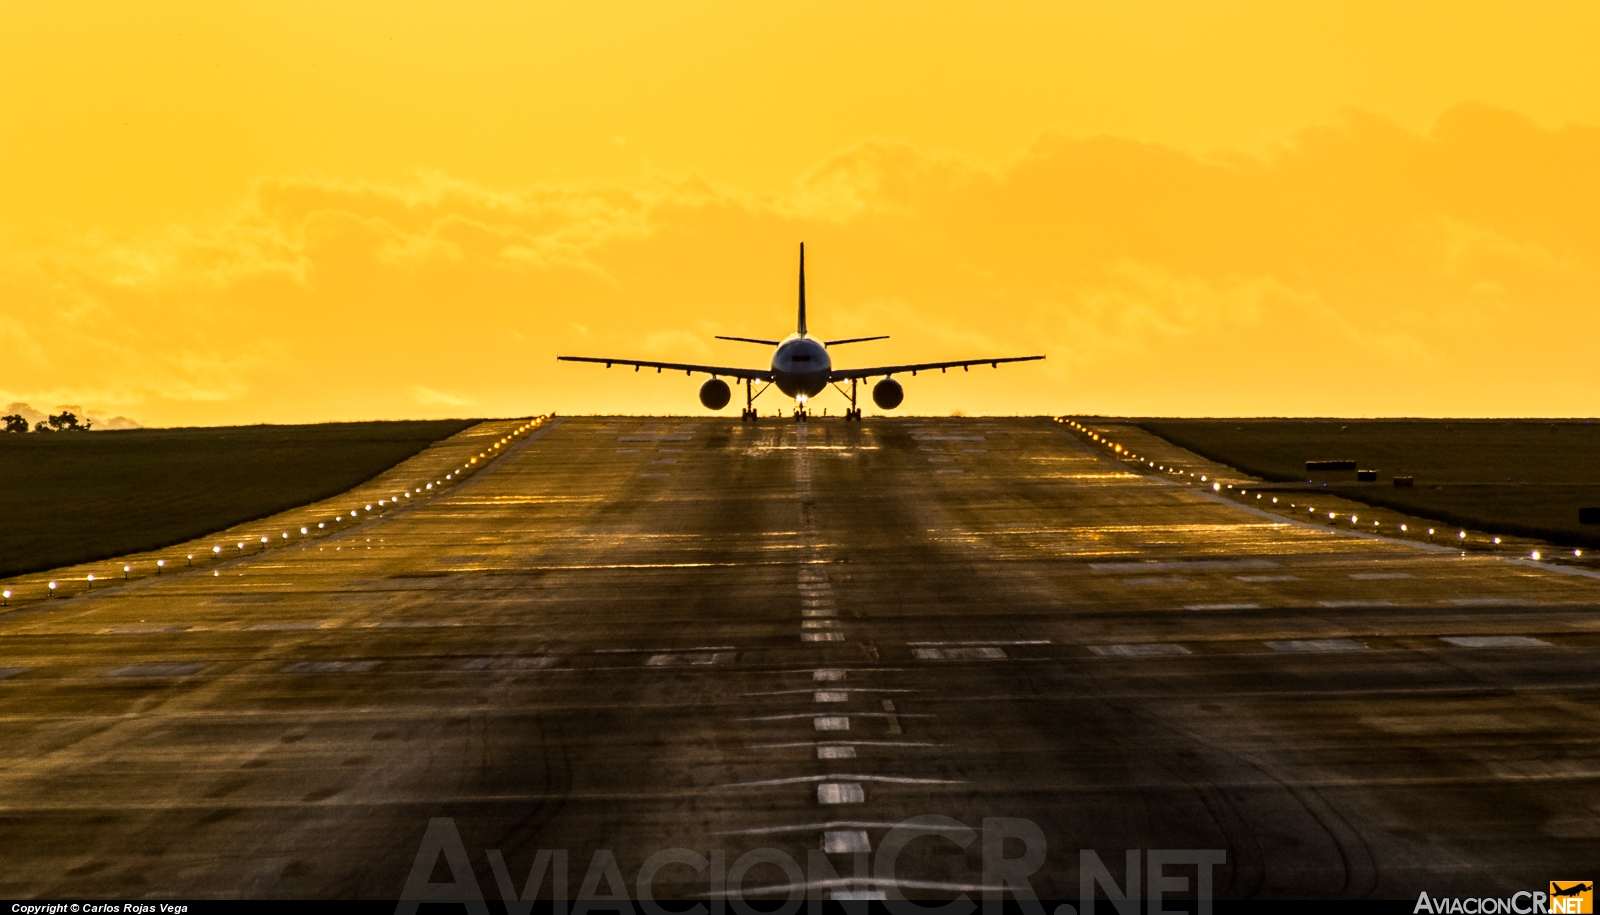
(875, 371)
(715, 371)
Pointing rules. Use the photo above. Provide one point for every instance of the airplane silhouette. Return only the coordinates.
(802, 369)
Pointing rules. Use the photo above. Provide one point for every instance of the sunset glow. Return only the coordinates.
(220, 213)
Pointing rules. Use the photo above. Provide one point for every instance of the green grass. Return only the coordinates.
(67, 498)
(1524, 477)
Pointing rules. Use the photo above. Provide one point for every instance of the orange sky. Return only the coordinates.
(217, 213)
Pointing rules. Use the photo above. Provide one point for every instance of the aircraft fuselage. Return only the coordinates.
(800, 366)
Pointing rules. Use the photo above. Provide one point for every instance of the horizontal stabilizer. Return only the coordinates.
(853, 340)
(748, 340)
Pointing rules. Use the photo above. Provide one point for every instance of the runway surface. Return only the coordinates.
(641, 634)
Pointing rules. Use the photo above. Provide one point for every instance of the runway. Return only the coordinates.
(640, 634)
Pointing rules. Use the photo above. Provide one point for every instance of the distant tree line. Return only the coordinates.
(65, 422)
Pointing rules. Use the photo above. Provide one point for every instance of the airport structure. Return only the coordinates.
(913, 656)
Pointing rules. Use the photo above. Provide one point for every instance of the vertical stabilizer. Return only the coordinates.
(802, 289)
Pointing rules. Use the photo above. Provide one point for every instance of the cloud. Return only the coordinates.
(101, 422)
(1353, 267)
(430, 397)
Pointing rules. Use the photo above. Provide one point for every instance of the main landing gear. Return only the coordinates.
(750, 395)
(854, 412)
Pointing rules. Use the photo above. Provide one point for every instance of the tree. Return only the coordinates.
(15, 422)
(65, 422)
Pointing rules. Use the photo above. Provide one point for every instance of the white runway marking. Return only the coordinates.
(662, 650)
(1337, 604)
(840, 743)
(949, 471)
(1316, 645)
(845, 841)
(827, 674)
(1379, 576)
(821, 636)
(655, 474)
(1266, 578)
(840, 793)
(1176, 565)
(796, 692)
(330, 667)
(987, 642)
(981, 653)
(143, 630)
(1141, 650)
(508, 663)
(830, 695)
(857, 779)
(410, 624)
(837, 824)
(655, 438)
(817, 612)
(1494, 641)
(690, 658)
(1222, 606)
(7, 673)
(155, 670)
(831, 723)
(283, 627)
(819, 624)
(845, 752)
(1155, 581)
(1490, 602)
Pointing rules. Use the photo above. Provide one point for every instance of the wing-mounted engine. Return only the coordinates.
(714, 394)
(888, 394)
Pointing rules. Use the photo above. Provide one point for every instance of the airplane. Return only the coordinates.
(802, 369)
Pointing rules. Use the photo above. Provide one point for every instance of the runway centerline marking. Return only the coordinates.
(845, 841)
(986, 642)
(840, 793)
(813, 779)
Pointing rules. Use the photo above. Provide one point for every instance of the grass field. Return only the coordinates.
(67, 498)
(1525, 477)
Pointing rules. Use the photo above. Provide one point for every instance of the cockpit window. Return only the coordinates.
(802, 357)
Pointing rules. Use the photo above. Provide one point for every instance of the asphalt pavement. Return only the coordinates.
(636, 635)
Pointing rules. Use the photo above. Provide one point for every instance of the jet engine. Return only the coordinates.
(714, 394)
(888, 393)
